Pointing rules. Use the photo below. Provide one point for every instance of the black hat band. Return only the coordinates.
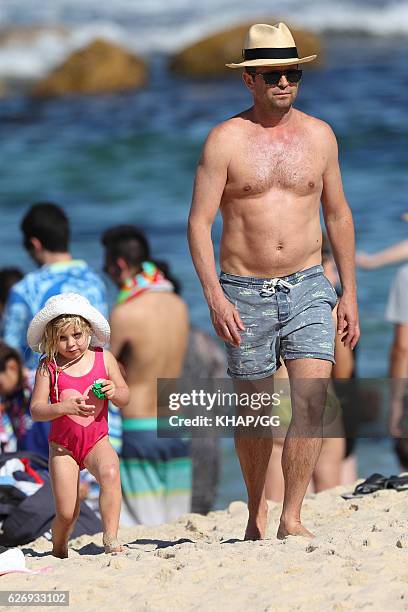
(270, 53)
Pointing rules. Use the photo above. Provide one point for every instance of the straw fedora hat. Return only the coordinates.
(68, 304)
(267, 45)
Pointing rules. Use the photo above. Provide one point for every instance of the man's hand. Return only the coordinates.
(226, 320)
(347, 320)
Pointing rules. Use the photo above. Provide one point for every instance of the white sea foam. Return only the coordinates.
(162, 26)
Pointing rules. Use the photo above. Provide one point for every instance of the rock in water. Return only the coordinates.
(208, 56)
(100, 67)
(27, 35)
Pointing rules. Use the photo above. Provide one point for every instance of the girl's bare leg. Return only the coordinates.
(64, 472)
(102, 461)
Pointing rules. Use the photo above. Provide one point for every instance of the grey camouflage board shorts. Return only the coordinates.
(288, 317)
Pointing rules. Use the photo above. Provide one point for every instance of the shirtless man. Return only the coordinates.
(267, 170)
(149, 332)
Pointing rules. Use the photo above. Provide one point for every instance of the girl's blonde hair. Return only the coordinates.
(55, 329)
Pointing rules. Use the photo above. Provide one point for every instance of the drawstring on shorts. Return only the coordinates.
(270, 287)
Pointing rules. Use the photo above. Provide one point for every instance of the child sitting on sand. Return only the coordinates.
(69, 332)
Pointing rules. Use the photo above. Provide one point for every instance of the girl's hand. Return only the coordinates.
(77, 406)
(108, 388)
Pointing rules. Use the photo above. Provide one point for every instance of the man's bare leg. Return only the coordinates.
(300, 453)
(254, 454)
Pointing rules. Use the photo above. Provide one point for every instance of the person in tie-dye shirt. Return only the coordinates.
(46, 234)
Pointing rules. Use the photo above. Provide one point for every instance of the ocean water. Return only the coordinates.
(159, 26)
(131, 157)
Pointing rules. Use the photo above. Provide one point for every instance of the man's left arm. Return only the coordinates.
(340, 230)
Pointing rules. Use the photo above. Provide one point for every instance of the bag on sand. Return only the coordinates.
(26, 518)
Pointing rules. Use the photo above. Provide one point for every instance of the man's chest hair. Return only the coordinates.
(290, 163)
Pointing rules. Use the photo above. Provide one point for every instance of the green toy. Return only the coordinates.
(96, 388)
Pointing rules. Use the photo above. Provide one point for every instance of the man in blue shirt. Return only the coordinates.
(46, 234)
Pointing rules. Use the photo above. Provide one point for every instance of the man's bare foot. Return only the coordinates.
(292, 529)
(112, 544)
(256, 526)
(60, 553)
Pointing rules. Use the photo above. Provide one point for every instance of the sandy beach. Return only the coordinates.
(358, 559)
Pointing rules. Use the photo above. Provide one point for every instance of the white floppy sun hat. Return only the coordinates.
(270, 45)
(68, 304)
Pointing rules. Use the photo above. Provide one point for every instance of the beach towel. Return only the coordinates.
(155, 474)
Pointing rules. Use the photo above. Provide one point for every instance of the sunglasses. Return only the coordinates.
(272, 78)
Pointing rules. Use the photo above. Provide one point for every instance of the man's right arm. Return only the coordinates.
(210, 181)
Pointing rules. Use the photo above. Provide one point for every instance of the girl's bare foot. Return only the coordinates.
(60, 553)
(111, 544)
(292, 528)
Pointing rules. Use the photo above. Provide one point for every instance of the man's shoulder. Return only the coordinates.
(120, 313)
(228, 127)
(60, 274)
(311, 122)
(79, 267)
(223, 138)
(91, 273)
(24, 286)
(18, 289)
(134, 308)
(80, 271)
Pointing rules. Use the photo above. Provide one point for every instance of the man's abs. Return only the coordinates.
(272, 235)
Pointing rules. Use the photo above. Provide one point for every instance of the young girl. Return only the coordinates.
(69, 332)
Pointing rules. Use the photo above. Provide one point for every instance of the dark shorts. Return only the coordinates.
(288, 317)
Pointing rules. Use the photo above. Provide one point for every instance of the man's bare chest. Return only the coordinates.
(294, 165)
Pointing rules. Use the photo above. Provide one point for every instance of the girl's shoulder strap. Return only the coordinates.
(98, 354)
(46, 364)
(49, 367)
(100, 362)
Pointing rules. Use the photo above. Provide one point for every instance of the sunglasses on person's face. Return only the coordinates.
(272, 78)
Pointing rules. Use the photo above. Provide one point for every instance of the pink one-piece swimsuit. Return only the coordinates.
(79, 434)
